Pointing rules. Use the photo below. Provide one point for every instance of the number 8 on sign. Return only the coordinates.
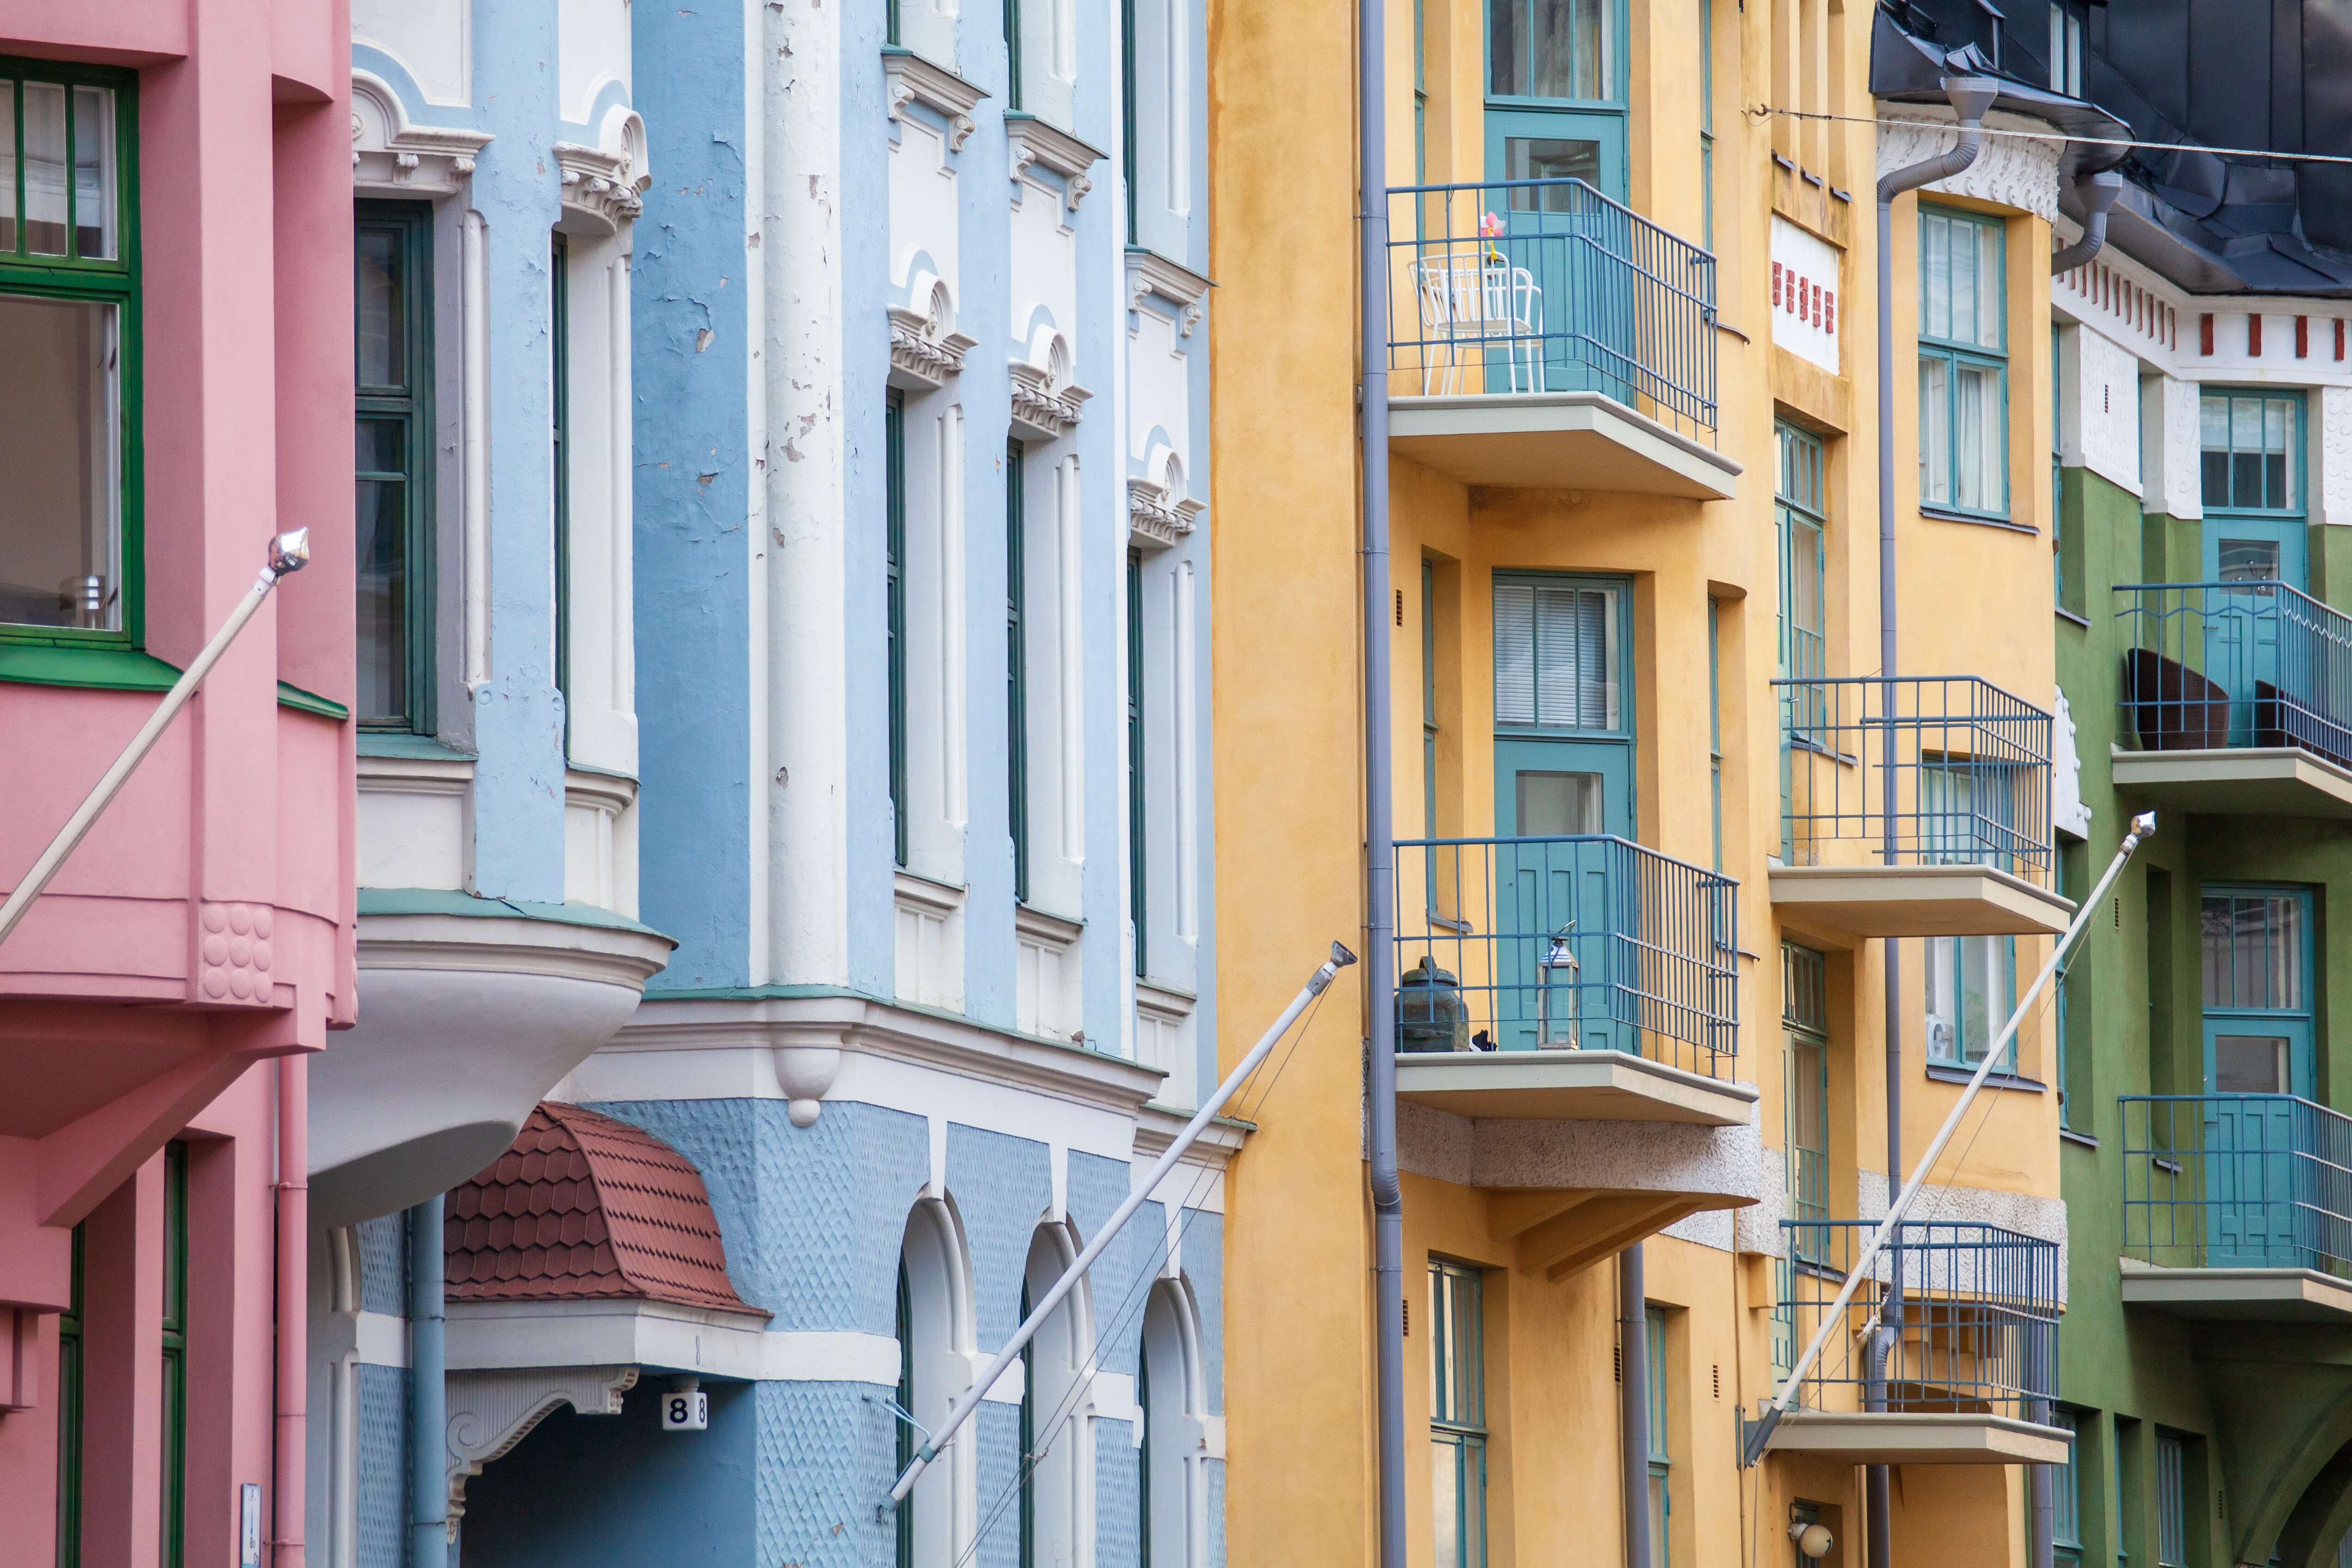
(685, 1411)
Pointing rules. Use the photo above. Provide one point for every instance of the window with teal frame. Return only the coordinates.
(2066, 1495)
(1131, 164)
(1428, 714)
(901, 1424)
(1558, 656)
(1555, 50)
(174, 1405)
(70, 555)
(391, 545)
(1138, 843)
(1714, 725)
(1805, 1024)
(1662, 1495)
(1457, 1414)
(2171, 1501)
(70, 1415)
(1016, 665)
(1800, 511)
(2057, 470)
(1013, 55)
(559, 366)
(1972, 989)
(1963, 364)
(2250, 443)
(894, 531)
(1706, 123)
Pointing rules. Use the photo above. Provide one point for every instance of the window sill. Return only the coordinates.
(2068, 1135)
(2066, 615)
(402, 743)
(119, 669)
(1943, 515)
(1943, 1074)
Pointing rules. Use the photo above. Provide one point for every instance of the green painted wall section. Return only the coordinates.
(2260, 1405)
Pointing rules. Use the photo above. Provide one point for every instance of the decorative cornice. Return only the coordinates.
(612, 955)
(920, 354)
(1154, 520)
(914, 79)
(603, 185)
(389, 153)
(2010, 171)
(1040, 411)
(1031, 140)
(1150, 272)
(490, 1412)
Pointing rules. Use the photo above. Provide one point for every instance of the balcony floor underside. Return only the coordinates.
(2238, 781)
(1573, 1085)
(1860, 901)
(2241, 1295)
(1555, 441)
(1917, 1438)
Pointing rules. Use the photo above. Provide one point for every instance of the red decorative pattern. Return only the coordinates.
(584, 1207)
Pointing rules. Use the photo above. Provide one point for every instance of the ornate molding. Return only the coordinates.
(388, 154)
(490, 1412)
(1033, 141)
(1040, 411)
(233, 953)
(2010, 171)
(605, 186)
(924, 346)
(914, 79)
(1154, 519)
(1186, 291)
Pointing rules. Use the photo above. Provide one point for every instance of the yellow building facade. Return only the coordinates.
(1633, 468)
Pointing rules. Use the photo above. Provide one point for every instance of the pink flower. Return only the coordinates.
(1490, 225)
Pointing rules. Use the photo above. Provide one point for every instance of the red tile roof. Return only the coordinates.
(584, 1207)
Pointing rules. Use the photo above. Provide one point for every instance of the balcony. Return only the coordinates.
(2236, 699)
(1543, 335)
(1943, 1356)
(1913, 806)
(2238, 1207)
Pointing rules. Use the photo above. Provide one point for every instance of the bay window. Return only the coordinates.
(1963, 364)
(392, 255)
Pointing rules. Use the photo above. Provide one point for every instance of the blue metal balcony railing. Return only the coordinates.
(1969, 1313)
(1548, 286)
(1960, 768)
(2237, 1181)
(2215, 664)
(1589, 942)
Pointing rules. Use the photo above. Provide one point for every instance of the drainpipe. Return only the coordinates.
(1970, 98)
(2097, 192)
(428, 1392)
(293, 1303)
(1633, 1404)
(1380, 824)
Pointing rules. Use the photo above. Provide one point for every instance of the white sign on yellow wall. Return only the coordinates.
(1806, 289)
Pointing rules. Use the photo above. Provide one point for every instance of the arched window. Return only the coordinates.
(934, 1327)
(1170, 1390)
(1056, 1427)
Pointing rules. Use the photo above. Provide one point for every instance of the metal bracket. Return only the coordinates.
(1755, 1433)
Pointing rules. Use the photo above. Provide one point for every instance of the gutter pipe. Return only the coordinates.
(1379, 806)
(293, 1306)
(1633, 1404)
(1970, 98)
(429, 1398)
(2097, 192)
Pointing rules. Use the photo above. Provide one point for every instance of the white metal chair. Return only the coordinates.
(1471, 298)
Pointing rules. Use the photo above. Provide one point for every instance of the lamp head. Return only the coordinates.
(289, 553)
(1813, 1539)
(2143, 827)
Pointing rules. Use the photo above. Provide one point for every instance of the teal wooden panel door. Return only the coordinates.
(1563, 892)
(2259, 1058)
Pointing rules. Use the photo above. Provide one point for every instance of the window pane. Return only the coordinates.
(381, 447)
(383, 326)
(1935, 432)
(381, 548)
(1515, 652)
(2278, 464)
(2213, 433)
(1963, 290)
(1555, 48)
(1943, 1017)
(59, 445)
(1989, 279)
(7, 166)
(1935, 277)
(1593, 72)
(1975, 438)
(1507, 50)
(1446, 1501)
(45, 168)
(2248, 560)
(93, 127)
(1980, 983)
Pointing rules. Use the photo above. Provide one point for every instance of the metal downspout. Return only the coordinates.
(2097, 192)
(428, 1392)
(1970, 98)
(293, 1307)
(1380, 825)
(1633, 1404)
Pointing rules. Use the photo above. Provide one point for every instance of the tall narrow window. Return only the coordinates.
(2066, 1495)
(1801, 511)
(1130, 162)
(2057, 467)
(1457, 1416)
(1137, 817)
(1662, 1497)
(1804, 1020)
(1016, 665)
(70, 1415)
(559, 338)
(890, 23)
(2171, 1501)
(391, 551)
(1963, 363)
(894, 458)
(174, 1405)
(1714, 723)
(69, 545)
(1025, 1532)
(1429, 707)
(1013, 55)
(901, 1422)
(2066, 46)
(1419, 97)
(1706, 123)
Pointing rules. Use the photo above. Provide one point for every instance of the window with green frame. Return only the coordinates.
(1963, 363)
(1971, 989)
(1016, 665)
(902, 1423)
(70, 1414)
(2057, 470)
(1457, 1414)
(393, 504)
(1138, 842)
(1553, 49)
(2066, 1494)
(173, 1404)
(894, 535)
(1706, 123)
(2171, 1501)
(71, 558)
(1805, 1024)
(1662, 1497)
(1130, 162)
(1801, 514)
(1143, 1523)
(559, 366)
(1013, 55)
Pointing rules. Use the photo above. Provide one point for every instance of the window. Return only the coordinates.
(1963, 376)
(1016, 665)
(2073, 1011)
(1714, 724)
(1429, 713)
(1457, 1414)
(1662, 1501)
(2249, 443)
(69, 543)
(1013, 55)
(2252, 949)
(1706, 123)
(1165, 1392)
(70, 1415)
(1804, 1020)
(1556, 656)
(1131, 165)
(1972, 989)
(1026, 1533)
(1138, 815)
(559, 366)
(1799, 507)
(1054, 1428)
(2171, 1501)
(894, 450)
(901, 1424)
(2057, 468)
(393, 251)
(2067, 47)
(1145, 1478)
(173, 1404)
(935, 1343)
(1551, 48)
(1420, 96)
(2066, 1495)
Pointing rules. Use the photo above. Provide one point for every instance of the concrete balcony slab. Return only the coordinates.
(2238, 781)
(1917, 1438)
(1572, 1085)
(1555, 441)
(2239, 1295)
(1860, 902)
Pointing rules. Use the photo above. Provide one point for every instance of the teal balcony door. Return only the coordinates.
(1556, 111)
(2250, 446)
(1563, 770)
(2256, 951)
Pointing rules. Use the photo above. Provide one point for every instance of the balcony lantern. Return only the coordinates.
(1430, 1015)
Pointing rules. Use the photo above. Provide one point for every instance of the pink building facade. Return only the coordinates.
(176, 311)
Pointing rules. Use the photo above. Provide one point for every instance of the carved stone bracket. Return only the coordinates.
(1040, 411)
(388, 154)
(924, 346)
(2010, 171)
(1155, 518)
(607, 187)
(1150, 274)
(1031, 142)
(490, 1412)
(914, 79)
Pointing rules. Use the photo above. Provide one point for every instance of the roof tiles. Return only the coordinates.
(581, 1207)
